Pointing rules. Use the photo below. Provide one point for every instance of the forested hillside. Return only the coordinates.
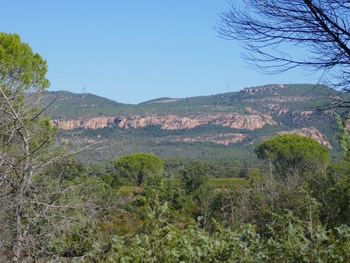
(157, 182)
(220, 128)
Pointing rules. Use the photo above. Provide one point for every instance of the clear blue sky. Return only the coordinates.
(132, 51)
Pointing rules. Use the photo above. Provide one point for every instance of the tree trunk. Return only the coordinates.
(23, 188)
(17, 244)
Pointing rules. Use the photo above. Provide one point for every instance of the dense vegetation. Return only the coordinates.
(184, 214)
(292, 206)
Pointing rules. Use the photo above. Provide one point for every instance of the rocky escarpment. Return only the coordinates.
(248, 122)
(92, 123)
(224, 139)
(171, 122)
(263, 89)
(313, 133)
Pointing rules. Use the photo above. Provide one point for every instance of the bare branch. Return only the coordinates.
(270, 29)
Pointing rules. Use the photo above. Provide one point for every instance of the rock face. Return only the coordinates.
(262, 89)
(224, 139)
(245, 122)
(167, 122)
(93, 123)
(171, 122)
(313, 133)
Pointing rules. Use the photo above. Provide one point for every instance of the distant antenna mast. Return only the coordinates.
(228, 87)
(84, 90)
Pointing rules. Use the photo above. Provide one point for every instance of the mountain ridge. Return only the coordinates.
(234, 119)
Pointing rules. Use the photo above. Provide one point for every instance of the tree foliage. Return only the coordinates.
(49, 205)
(343, 136)
(138, 166)
(20, 68)
(333, 194)
(293, 155)
(162, 242)
(25, 136)
(67, 211)
(194, 174)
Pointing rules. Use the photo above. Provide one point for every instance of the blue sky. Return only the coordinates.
(133, 51)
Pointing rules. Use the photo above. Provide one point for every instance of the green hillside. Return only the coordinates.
(73, 105)
(290, 107)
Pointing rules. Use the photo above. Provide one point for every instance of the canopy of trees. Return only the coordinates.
(25, 136)
(194, 175)
(292, 154)
(48, 205)
(138, 166)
